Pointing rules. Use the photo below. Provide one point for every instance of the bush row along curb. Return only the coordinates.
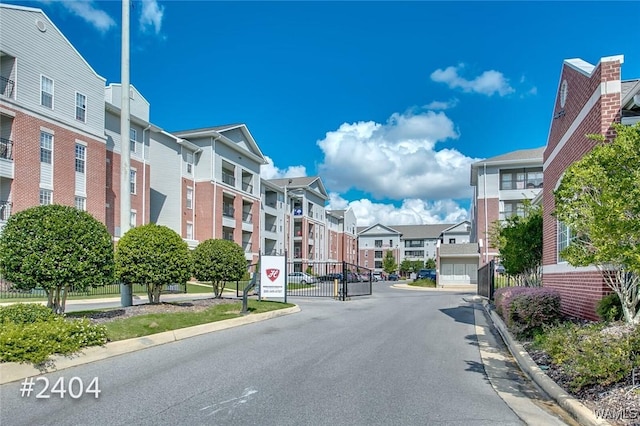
(13, 371)
(579, 411)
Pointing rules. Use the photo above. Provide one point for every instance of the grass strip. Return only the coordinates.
(144, 325)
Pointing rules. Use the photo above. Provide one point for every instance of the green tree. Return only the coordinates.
(598, 200)
(58, 248)
(389, 263)
(519, 239)
(218, 262)
(154, 256)
(406, 266)
(430, 263)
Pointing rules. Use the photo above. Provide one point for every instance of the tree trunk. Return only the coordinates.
(156, 293)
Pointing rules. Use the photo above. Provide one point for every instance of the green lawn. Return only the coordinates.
(144, 325)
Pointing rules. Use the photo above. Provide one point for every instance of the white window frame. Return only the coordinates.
(564, 238)
(189, 231)
(189, 162)
(133, 139)
(189, 198)
(46, 197)
(81, 158)
(133, 217)
(46, 146)
(44, 91)
(81, 203)
(81, 107)
(132, 181)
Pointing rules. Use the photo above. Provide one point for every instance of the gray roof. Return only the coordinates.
(512, 158)
(297, 182)
(416, 232)
(522, 155)
(301, 183)
(465, 249)
(630, 88)
(421, 231)
(627, 86)
(205, 129)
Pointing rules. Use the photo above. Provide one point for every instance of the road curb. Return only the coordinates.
(458, 289)
(579, 411)
(13, 371)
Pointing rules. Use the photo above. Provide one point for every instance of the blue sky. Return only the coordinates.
(388, 102)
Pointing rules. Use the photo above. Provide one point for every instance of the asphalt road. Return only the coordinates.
(394, 358)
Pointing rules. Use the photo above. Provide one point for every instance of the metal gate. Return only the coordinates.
(339, 280)
(486, 280)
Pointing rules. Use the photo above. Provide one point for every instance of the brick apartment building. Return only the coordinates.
(501, 185)
(589, 100)
(52, 115)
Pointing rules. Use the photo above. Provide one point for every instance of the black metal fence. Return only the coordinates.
(339, 280)
(486, 280)
(489, 279)
(10, 291)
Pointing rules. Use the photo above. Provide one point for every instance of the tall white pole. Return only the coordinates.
(126, 296)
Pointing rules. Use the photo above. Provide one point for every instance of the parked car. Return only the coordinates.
(301, 278)
(394, 277)
(426, 274)
(377, 276)
(352, 277)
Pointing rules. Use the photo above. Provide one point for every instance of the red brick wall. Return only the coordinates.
(580, 291)
(204, 211)
(25, 189)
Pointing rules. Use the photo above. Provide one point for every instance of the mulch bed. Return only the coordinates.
(620, 399)
(160, 308)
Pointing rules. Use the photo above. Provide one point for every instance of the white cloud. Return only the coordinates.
(411, 212)
(396, 160)
(488, 83)
(441, 105)
(151, 15)
(87, 10)
(270, 171)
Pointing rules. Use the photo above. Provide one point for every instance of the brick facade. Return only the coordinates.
(25, 187)
(592, 106)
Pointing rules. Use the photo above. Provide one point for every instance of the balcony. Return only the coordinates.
(6, 149)
(5, 210)
(247, 187)
(228, 210)
(228, 178)
(247, 217)
(6, 87)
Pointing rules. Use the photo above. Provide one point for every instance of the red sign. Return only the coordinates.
(273, 274)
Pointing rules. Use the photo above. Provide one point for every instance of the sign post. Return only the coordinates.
(273, 277)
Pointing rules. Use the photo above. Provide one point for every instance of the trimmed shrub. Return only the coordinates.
(36, 342)
(25, 313)
(591, 354)
(503, 297)
(609, 308)
(532, 309)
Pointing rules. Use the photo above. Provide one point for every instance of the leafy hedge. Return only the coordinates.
(592, 354)
(25, 313)
(32, 333)
(526, 310)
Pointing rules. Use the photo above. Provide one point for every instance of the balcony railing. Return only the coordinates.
(228, 178)
(228, 210)
(6, 149)
(246, 217)
(247, 187)
(6, 87)
(5, 210)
